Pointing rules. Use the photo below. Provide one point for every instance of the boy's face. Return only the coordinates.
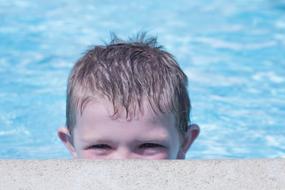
(147, 136)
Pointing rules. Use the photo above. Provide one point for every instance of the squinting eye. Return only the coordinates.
(100, 146)
(151, 145)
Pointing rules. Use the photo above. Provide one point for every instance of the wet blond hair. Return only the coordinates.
(127, 72)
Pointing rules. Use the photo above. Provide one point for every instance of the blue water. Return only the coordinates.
(232, 51)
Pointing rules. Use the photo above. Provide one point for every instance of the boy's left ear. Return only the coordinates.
(191, 135)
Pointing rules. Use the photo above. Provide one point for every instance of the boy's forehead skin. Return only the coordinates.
(102, 108)
(101, 111)
(96, 124)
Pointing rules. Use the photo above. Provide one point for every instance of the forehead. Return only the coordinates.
(102, 108)
(97, 115)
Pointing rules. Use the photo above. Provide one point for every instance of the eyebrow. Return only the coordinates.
(101, 140)
(97, 140)
(149, 140)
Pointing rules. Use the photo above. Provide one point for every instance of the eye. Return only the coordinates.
(100, 146)
(151, 145)
(151, 149)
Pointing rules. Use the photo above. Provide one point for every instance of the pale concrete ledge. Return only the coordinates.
(138, 174)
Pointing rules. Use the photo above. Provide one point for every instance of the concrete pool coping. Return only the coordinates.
(141, 174)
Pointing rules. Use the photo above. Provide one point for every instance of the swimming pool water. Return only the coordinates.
(232, 51)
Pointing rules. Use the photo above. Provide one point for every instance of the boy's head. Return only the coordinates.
(128, 100)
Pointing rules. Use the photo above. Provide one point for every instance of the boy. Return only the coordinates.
(128, 100)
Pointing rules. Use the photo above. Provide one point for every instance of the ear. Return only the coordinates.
(191, 135)
(65, 137)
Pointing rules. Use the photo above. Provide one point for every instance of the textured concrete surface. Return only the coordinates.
(140, 174)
